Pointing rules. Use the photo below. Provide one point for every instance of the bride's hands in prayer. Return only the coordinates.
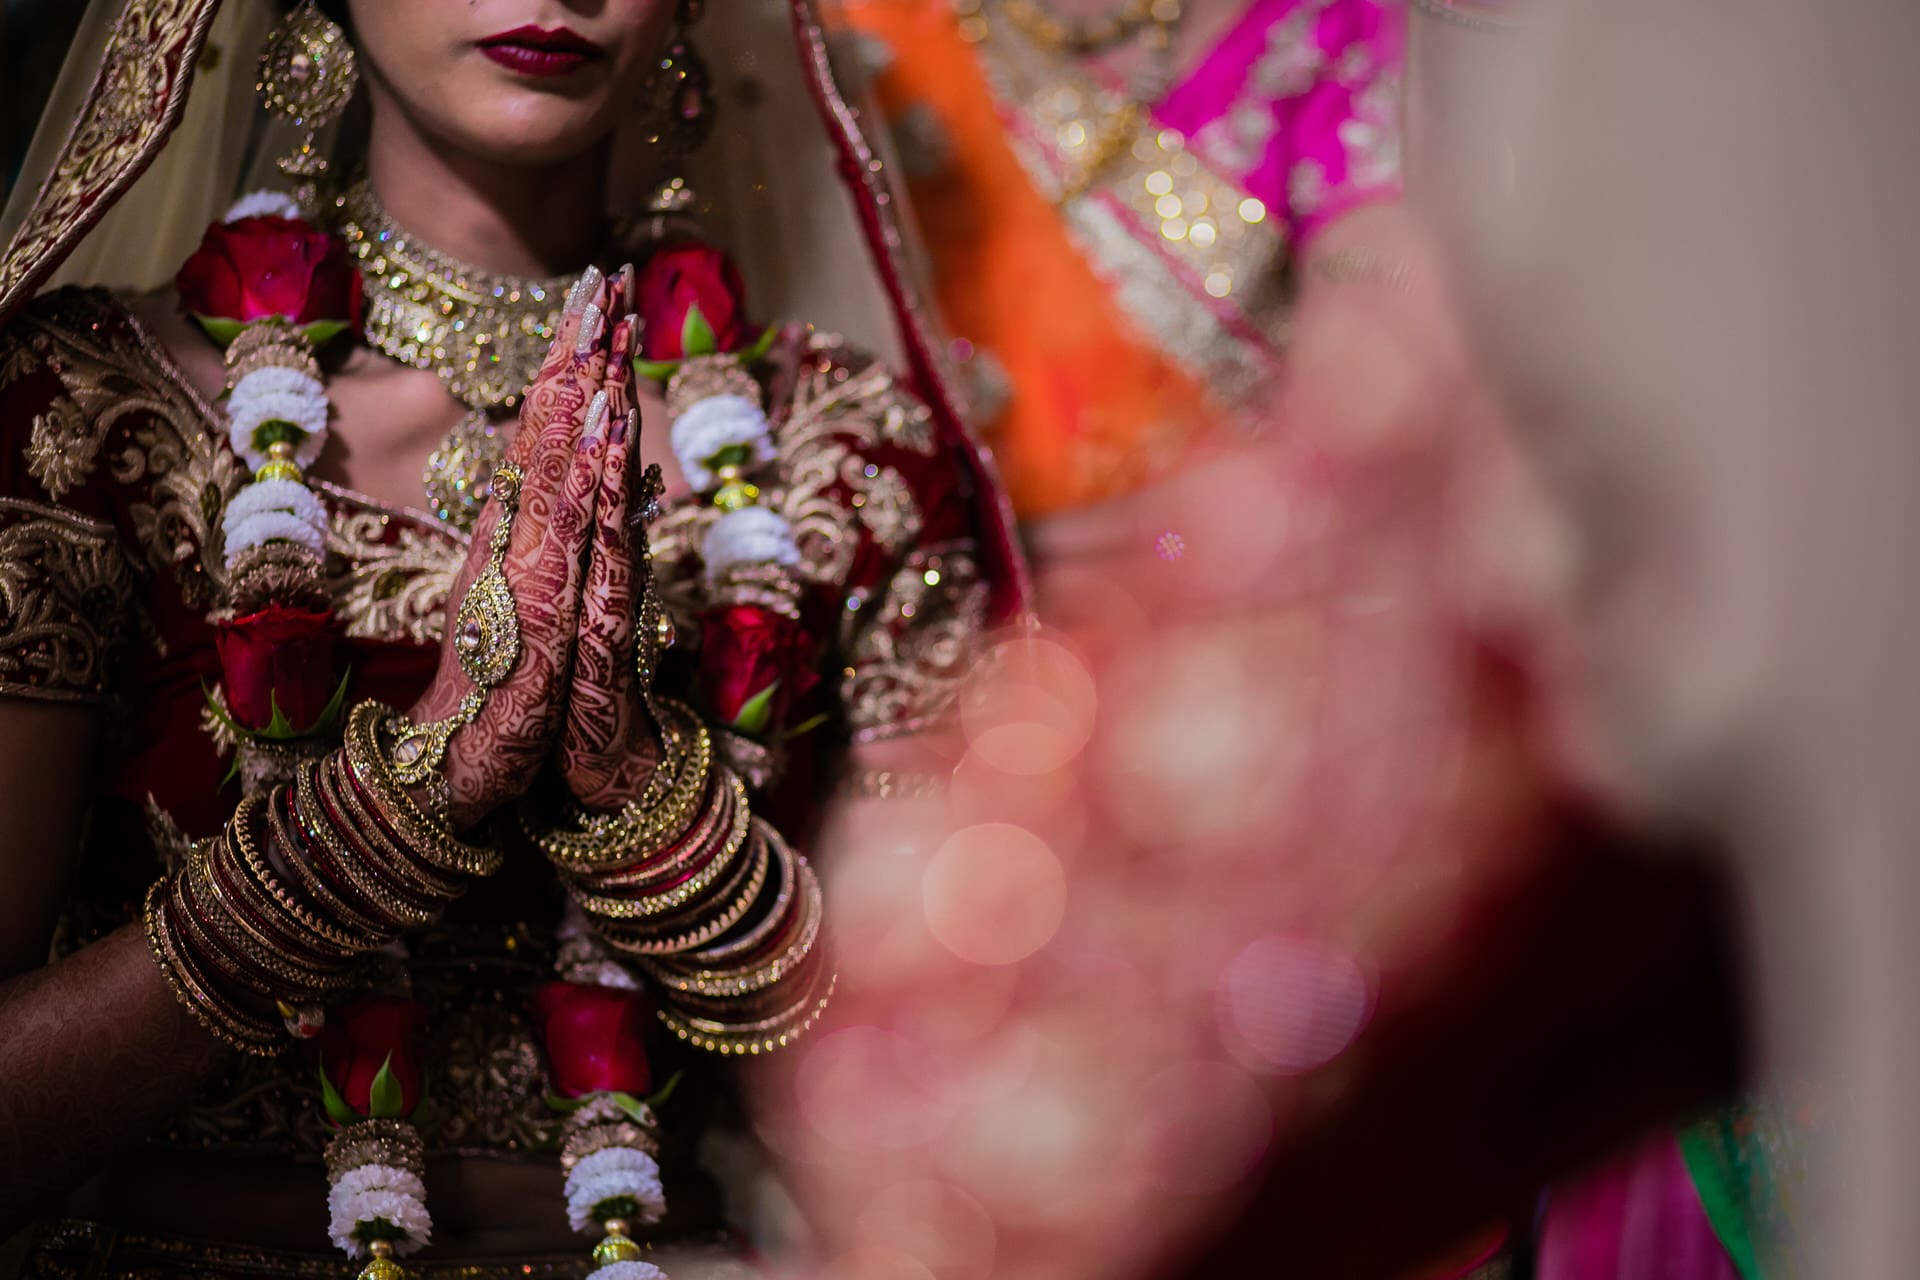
(608, 745)
(561, 448)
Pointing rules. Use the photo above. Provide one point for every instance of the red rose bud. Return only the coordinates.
(370, 1054)
(259, 267)
(744, 652)
(596, 1039)
(278, 657)
(676, 281)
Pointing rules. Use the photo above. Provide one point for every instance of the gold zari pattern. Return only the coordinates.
(65, 598)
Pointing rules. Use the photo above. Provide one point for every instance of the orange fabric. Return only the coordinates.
(1095, 404)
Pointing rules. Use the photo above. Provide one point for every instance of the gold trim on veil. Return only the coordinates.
(147, 53)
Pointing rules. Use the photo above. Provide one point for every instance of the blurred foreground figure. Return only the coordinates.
(1700, 294)
(1258, 933)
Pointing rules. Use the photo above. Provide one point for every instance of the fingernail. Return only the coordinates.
(625, 426)
(596, 418)
(590, 325)
(583, 289)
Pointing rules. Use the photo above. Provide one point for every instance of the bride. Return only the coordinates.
(413, 840)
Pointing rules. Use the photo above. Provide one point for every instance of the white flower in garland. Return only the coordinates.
(615, 1173)
(263, 204)
(277, 395)
(631, 1270)
(751, 535)
(274, 510)
(275, 494)
(272, 526)
(375, 1194)
(706, 429)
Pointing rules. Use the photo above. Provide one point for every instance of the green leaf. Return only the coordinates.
(377, 1229)
(220, 712)
(635, 1109)
(656, 370)
(386, 1100)
(321, 332)
(758, 351)
(221, 330)
(757, 713)
(659, 1096)
(805, 727)
(276, 431)
(337, 1109)
(697, 337)
(733, 455)
(330, 714)
(279, 728)
(567, 1105)
(616, 1207)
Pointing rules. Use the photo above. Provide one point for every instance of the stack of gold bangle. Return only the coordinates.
(708, 899)
(274, 913)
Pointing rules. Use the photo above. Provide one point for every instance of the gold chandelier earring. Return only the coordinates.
(681, 93)
(308, 72)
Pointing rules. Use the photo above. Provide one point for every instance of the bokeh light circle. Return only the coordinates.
(1032, 709)
(994, 893)
(1293, 1005)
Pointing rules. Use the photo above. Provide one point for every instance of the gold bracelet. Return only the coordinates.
(202, 904)
(691, 844)
(369, 831)
(780, 854)
(646, 906)
(293, 831)
(432, 841)
(260, 879)
(648, 941)
(229, 1026)
(746, 980)
(767, 1036)
(588, 843)
(401, 914)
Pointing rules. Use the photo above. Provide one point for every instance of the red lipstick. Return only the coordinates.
(533, 51)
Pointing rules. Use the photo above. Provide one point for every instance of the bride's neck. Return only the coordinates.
(537, 220)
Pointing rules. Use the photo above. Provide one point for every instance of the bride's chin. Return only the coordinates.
(516, 132)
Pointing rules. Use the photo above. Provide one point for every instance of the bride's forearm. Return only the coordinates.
(95, 1052)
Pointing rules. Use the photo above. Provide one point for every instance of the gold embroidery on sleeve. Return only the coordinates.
(17, 358)
(907, 665)
(390, 589)
(65, 595)
(158, 439)
(62, 448)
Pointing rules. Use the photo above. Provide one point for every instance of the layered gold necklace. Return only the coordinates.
(484, 333)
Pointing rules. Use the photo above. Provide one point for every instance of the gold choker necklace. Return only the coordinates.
(485, 334)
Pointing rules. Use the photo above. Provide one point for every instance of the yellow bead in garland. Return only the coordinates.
(382, 1267)
(617, 1247)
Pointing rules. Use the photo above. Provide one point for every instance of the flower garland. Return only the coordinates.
(753, 656)
(594, 1024)
(271, 290)
(370, 1082)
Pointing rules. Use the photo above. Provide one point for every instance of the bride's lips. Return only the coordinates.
(532, 51)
